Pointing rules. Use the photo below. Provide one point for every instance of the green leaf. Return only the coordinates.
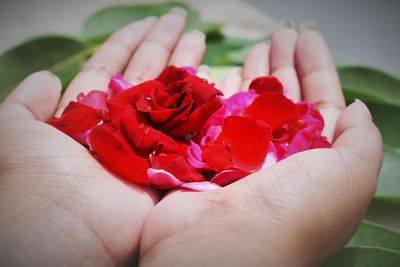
(386, 117)
(385, 211)
(62, 55)
(104, 22)
(369, 85)
(389, 177)
(226, 51)
(374, 235)
(365, 257)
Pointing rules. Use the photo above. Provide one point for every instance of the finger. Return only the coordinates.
(318, 76)
(190, 50)
(36, 97)
(154, 52)
(283, 44)
(231, 83)
(358, 140)
(110, 59)
(256, 64)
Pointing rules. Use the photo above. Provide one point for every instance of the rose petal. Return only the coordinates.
(118, 84)
(196, 119)
(145, 138)
(242, 144)
(194, 158)
(271, 157)
(115, 153)
(307, 138)
(202, 90)
(189, 69)
(237, 103)
(128, 98)
(201, 186)
(211, 135)
(94, 99)
(266, 84)
(176, 165)
(77, 119)
(228, 176)
(272, 108)
(172, 74)
(162, 179)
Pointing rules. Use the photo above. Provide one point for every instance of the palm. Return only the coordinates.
(96, 217)
(317, 193)
(99, 202)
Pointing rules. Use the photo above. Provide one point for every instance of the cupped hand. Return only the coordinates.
(298, 212)
(58, 205)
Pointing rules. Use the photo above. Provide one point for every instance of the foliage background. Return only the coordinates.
(377, 241)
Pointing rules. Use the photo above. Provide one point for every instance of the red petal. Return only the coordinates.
(120, 102)
(115, 154)
(272, 108)
(177, 166)
(242, 144)
(229, 176)
(201, 89)
(197, 119)
(143, 136)
(77, 119)
(266, 84)
(172, 74)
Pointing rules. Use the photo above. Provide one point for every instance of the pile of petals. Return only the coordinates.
(178, 131)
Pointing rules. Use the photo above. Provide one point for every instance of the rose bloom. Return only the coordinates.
(178, 131)
(142, 129)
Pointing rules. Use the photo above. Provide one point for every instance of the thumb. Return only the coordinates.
(36, 97)
(359, 141)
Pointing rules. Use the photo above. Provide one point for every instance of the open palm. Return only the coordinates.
(298, 212)
(58, 196)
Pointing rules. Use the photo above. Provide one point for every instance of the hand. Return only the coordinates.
(299, 212)
(59, 206)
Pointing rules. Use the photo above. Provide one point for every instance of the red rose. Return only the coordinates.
(145, 127)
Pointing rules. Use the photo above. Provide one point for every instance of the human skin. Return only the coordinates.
(300, 211)
(60, 207)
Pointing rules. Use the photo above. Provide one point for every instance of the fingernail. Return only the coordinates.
(366, 109)
(308, 26)
(179, 11)
(199, 33)
(150, 19)
(284, 24)
(236, 71)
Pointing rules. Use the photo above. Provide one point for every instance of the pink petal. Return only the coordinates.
(211, 134)
(228, 176)
(237, 104)
(307, 138)
(194, 156)
(189, 69)
(162, 179)
(95, 99)
(201, 186)
(118, 84)
(271, 157)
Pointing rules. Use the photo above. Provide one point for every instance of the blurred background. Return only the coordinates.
(365, 32)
